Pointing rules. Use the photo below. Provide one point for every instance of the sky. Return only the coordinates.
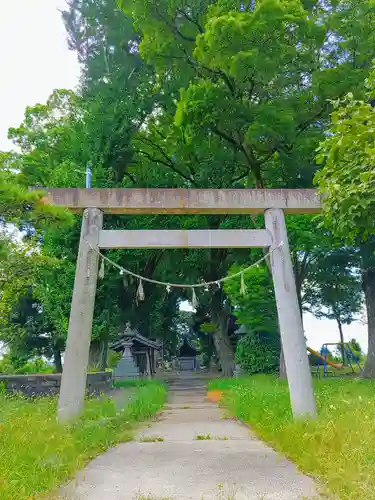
(35, 60)
(319, 331)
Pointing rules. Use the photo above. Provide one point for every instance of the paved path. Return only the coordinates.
(232, 464)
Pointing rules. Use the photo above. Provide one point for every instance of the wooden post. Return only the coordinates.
(290, 322)
(153, 358)
(73, 382)
(149, 368)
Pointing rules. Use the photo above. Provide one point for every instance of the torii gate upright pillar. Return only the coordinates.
(73, 382)
(290, 321)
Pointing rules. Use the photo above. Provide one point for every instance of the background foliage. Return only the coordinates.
(205, 95)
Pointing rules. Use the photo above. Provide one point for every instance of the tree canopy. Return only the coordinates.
(346, 182)
(206, 95)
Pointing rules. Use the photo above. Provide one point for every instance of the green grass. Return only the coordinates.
(136, 382)
(151, 439)
(337, 448)
(37, 454)
(203, 437)
(208, 437)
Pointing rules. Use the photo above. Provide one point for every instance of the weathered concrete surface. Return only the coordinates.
(233, 464)
(187, 201)
(194, 238)
(290, 322)
(73, 381)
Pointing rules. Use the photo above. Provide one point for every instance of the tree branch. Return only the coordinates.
(303, 266)
(152, 264)
(169, 165)
(178, 32)
(304, 125)
(170, 162)
(240, 177)
(154, 145)
(227, 137)
(190, 19)
(218, 73)
(191, 170)
(130, 176)
(254, 165)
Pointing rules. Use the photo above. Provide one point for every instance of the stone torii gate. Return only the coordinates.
(273, 203)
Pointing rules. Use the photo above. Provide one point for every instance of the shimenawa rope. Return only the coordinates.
(168, 285)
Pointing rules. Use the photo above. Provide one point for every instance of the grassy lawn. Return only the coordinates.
(338, 448)
(37, 454)
(138, 382)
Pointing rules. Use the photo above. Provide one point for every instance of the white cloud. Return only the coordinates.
(34, 58)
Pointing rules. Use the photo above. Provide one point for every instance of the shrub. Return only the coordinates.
(113, 359)
(37, 365)
(258, 352)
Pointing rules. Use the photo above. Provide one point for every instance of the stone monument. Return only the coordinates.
(127, 367)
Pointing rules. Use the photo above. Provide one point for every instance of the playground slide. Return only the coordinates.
(334, 365)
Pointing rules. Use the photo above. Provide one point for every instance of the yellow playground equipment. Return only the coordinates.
(323, 357)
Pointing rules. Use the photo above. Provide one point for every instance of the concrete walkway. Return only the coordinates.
(199, 456)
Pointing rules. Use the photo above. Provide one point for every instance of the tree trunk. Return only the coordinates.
(368, 280)
(57, 359)
(299, 298)
(104, 355)
(368, 283)
(224, 351)
(342, 347)
(222, 342)
(94, 355)
(299, 271)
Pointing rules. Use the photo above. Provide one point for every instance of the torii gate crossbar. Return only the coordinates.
(273, 203)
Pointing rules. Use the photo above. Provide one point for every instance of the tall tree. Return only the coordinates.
(254, 307)
(334, 291)
(25, 219)
(347, 185)
(51, 155)
(255, 84)
(28, 333)
(95, 126)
